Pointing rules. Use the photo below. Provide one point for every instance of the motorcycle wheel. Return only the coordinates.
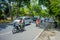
(14, 31)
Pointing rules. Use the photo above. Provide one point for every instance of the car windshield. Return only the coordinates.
(35, 17)
(27, 18)
(18, 18)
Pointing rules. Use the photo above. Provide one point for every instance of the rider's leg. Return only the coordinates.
(17, 28)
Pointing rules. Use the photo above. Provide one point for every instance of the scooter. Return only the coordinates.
(15, 29)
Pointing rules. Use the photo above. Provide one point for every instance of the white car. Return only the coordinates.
(26, 20)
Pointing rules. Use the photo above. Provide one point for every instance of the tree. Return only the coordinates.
(54, 8)
(14, 9)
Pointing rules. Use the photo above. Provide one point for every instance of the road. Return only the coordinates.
(31, 31)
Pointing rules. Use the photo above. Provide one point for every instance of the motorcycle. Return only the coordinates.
(17, 28)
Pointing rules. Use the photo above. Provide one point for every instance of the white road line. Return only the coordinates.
(5, 33)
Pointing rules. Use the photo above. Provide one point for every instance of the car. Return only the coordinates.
(42, 19)
(51, 20)
(26, 20)
(35, 18)
(46, 19)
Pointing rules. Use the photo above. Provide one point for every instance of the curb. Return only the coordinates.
(38, 35)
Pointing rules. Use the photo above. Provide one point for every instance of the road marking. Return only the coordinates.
(5, 33)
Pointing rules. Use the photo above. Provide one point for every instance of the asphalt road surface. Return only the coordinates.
(31, 31)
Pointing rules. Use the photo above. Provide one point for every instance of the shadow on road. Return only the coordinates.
(19, 31)
(3, 26)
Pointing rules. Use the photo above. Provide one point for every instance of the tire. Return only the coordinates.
(14, 30)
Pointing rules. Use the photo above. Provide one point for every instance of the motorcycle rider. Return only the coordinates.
(21, 24)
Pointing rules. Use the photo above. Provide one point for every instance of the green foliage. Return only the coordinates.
(35, 9)
(54, 8)
(52, 5)
(44, 13)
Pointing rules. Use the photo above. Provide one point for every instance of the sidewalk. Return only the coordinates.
(53, 35)
(57, 35)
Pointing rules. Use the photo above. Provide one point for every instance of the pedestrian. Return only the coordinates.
(38, 22)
